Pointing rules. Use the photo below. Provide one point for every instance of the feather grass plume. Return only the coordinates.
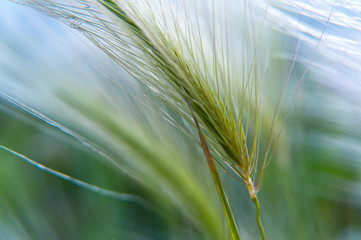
(213, 63)
(181, 56)
(188, 53)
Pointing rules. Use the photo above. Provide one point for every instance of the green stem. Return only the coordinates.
(225, 204)
(258, 216)
(217, 181)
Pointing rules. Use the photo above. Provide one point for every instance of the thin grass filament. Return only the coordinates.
(90, 187)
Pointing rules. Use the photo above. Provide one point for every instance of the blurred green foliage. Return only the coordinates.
(38, 205)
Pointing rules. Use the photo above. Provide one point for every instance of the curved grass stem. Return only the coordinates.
(258, 216)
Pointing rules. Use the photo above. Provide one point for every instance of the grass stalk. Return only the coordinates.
(258, 217)
(217, 181)
(253, 194)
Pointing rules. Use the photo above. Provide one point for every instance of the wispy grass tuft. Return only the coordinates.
(208, 62)
(181, 55)
(221, 79)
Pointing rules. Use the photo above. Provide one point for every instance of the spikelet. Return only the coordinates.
(213, 54)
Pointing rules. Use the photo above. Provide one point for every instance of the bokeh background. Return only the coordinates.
(311, 190)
